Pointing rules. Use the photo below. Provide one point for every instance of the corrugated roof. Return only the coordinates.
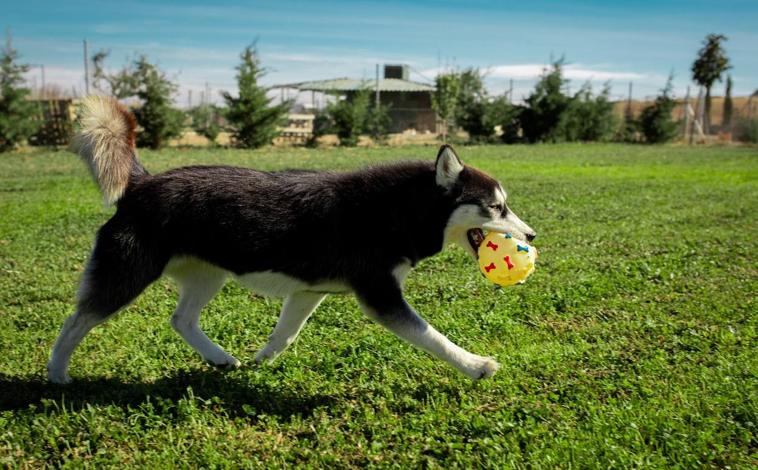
(351, 84)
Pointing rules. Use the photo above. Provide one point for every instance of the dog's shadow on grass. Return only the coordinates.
(236, 397)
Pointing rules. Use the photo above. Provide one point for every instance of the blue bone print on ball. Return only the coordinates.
(522, 248)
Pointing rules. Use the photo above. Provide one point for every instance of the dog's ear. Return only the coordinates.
(448, 166)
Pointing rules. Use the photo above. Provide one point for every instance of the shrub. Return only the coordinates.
(205, 121)
(655, 121)
(629, 128)
(378, 122)
(322, 125)
(254, 121)
(504, 114)
(587, 118)
(16, 112)
(472, 108)
(349, 116)
(445, 99)
(746, 130)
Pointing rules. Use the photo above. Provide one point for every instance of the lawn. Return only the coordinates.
(633, 344)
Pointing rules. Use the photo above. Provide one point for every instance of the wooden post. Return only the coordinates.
(698, 124)
(686, 114)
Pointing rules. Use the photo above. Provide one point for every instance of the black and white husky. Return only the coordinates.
(300, 235)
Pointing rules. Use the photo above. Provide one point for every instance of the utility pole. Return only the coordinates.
(86, 69)
(510, 91)
(629, 101)
(189, 98)
(41, 90)
(377, 86)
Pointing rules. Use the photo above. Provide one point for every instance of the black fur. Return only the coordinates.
(352, 227)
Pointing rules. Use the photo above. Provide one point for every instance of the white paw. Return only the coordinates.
(229, 363)
(482, 368)
(57, 376)
(265, 355)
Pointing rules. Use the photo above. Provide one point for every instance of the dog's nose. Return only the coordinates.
(530, 236)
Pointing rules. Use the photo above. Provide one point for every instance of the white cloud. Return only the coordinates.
(570, 71)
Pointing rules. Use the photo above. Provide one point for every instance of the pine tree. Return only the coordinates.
(728, 105)
(254, 121)
(16, 112)
(158, 119)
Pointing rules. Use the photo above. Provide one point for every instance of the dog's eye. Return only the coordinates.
(497, 207)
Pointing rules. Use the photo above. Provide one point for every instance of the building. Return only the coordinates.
(409, 102)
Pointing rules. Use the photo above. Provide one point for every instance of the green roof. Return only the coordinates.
(351, 84)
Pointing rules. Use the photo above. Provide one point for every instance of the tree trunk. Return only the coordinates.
(707, 114)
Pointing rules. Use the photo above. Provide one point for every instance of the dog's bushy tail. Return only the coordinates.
(106, 142)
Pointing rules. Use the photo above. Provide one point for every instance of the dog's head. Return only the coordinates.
(480, 204)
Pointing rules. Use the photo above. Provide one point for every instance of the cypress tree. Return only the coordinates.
(728, 105)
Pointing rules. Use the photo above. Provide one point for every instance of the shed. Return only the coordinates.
(410, 103)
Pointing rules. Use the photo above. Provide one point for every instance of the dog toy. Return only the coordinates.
(505, 260)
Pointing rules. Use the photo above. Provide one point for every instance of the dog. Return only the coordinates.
(296, 234)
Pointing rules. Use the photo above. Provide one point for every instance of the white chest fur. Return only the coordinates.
(273, 284)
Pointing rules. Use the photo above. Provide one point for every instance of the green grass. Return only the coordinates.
(633, 344)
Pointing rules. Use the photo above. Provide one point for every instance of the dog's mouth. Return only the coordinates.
(475, 238)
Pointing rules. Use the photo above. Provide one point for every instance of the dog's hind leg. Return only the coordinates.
(198, 283)
(117, 272)
(295, 312)
(73, 331)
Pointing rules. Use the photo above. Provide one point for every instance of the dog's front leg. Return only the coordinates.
(384, 302)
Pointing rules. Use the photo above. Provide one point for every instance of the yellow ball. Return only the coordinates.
(505, 260)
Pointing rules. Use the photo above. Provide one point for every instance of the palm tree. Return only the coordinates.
(711, 62)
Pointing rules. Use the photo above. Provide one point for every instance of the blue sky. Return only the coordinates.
(198, 42)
